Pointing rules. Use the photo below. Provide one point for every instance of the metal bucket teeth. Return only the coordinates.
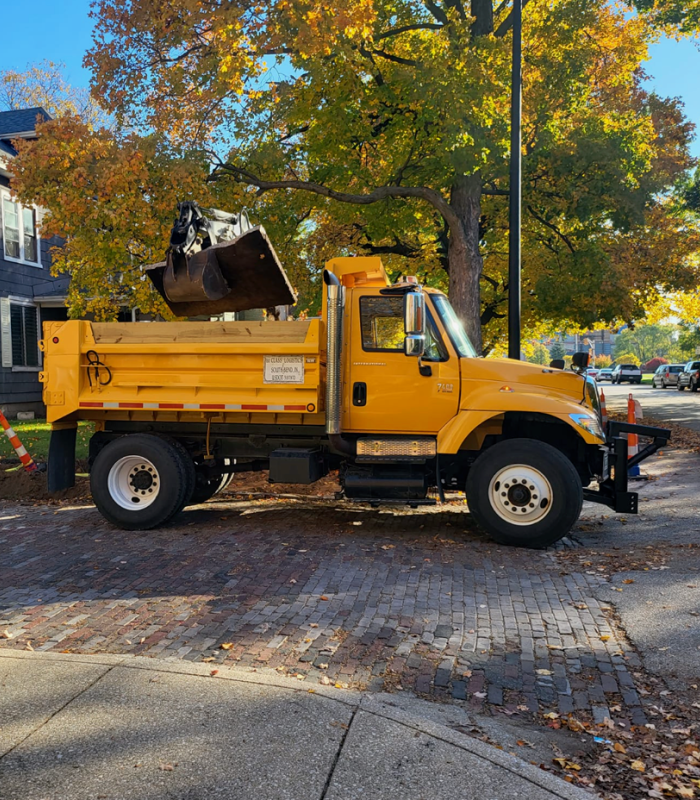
(238, 275)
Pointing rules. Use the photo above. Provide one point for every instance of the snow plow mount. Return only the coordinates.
(218, 262)
(613, 489)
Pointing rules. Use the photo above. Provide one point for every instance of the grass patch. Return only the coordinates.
(35, 434)
(648, 378)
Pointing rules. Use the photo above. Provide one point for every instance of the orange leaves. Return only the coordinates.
(113, 199)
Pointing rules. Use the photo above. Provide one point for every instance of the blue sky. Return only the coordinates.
(60, 30)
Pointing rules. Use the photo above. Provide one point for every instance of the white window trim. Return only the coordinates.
(14, 300)
(4, 193)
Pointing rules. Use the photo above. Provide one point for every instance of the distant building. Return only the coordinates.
(601, 341)
(29, 295)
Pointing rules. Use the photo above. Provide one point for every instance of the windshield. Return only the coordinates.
(453, 326)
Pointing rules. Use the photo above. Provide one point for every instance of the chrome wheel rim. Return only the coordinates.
(133, 483)
(520, 494)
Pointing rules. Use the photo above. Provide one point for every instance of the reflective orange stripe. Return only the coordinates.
(191, 406)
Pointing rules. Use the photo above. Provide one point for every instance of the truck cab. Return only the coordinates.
(385, 386)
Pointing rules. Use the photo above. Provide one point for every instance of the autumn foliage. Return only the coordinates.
(383, 128)
(654, 364)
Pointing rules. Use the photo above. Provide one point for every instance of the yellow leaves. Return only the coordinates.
(638, 766)
(226, 646)
(564, 764)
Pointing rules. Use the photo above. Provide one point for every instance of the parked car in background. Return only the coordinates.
(627, 372)
(690, 377)
(666, 375)
(592, 372)
(605, 374)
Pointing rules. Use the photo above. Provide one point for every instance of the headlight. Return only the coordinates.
(590, 424)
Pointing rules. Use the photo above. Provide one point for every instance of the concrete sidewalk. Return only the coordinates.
(132, 728)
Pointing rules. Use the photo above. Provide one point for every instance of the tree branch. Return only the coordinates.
(436, 11)
(422, 26)
(496, 192)
(507, 23)
(553, 228)
(408, 62)
(381, 193)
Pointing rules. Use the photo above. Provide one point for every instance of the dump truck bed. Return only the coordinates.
(268, 372)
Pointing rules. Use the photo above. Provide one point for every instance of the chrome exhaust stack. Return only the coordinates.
(334, 324)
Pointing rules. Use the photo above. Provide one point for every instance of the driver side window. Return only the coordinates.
(381, 321)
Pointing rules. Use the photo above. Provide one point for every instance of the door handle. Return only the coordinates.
(359, 394)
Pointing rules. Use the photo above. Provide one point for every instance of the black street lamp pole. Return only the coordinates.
(515, 186)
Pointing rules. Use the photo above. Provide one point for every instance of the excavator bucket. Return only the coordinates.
(217, 262)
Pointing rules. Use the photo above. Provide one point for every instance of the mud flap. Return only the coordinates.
(237, 275)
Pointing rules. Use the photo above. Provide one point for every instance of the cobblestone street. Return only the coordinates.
(377, 600)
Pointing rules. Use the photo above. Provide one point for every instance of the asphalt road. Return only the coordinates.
(669, 405)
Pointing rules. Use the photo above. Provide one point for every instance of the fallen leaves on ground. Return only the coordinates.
(632, 762)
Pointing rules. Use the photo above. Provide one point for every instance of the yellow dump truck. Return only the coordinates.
(385, 386)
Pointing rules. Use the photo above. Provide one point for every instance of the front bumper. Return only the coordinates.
(612, 490)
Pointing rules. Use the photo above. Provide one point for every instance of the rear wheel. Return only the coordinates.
(139, 481)
(693, 386)
(206, 489)
(525, 493)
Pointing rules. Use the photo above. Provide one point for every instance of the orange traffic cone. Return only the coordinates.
(632, 438)
(603, 410)
(24, 457)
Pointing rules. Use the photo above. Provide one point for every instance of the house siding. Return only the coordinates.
(21, 390)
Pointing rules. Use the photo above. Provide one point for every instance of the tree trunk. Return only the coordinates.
(464, 256)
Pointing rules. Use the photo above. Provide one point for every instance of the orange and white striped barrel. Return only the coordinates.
(603, 410)
(632, 438)
(24, 457)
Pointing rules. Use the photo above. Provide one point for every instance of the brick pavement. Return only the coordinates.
(412, 599)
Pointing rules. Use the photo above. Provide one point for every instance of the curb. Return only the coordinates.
(376, 706)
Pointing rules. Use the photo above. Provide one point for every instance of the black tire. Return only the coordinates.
(693, 386)
(565, 501)
(679, 387)
(206, 489)
(190, 471)
(171, 486)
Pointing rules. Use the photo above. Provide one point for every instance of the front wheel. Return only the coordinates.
(679, 387)
(525, 493)
(140, 481)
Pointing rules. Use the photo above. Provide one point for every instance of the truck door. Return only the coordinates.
(388, 391)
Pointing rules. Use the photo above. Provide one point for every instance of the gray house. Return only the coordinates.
(29, 295)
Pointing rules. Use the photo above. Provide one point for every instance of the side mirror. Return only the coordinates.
(414, 345)
(580, 361)
(414, 324)
(557, 363)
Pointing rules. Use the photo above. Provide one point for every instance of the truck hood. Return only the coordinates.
(529, 377)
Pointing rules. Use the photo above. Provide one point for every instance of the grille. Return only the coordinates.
(396, 448)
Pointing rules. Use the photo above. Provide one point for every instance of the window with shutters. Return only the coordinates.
(19, 233)
(20, 334)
